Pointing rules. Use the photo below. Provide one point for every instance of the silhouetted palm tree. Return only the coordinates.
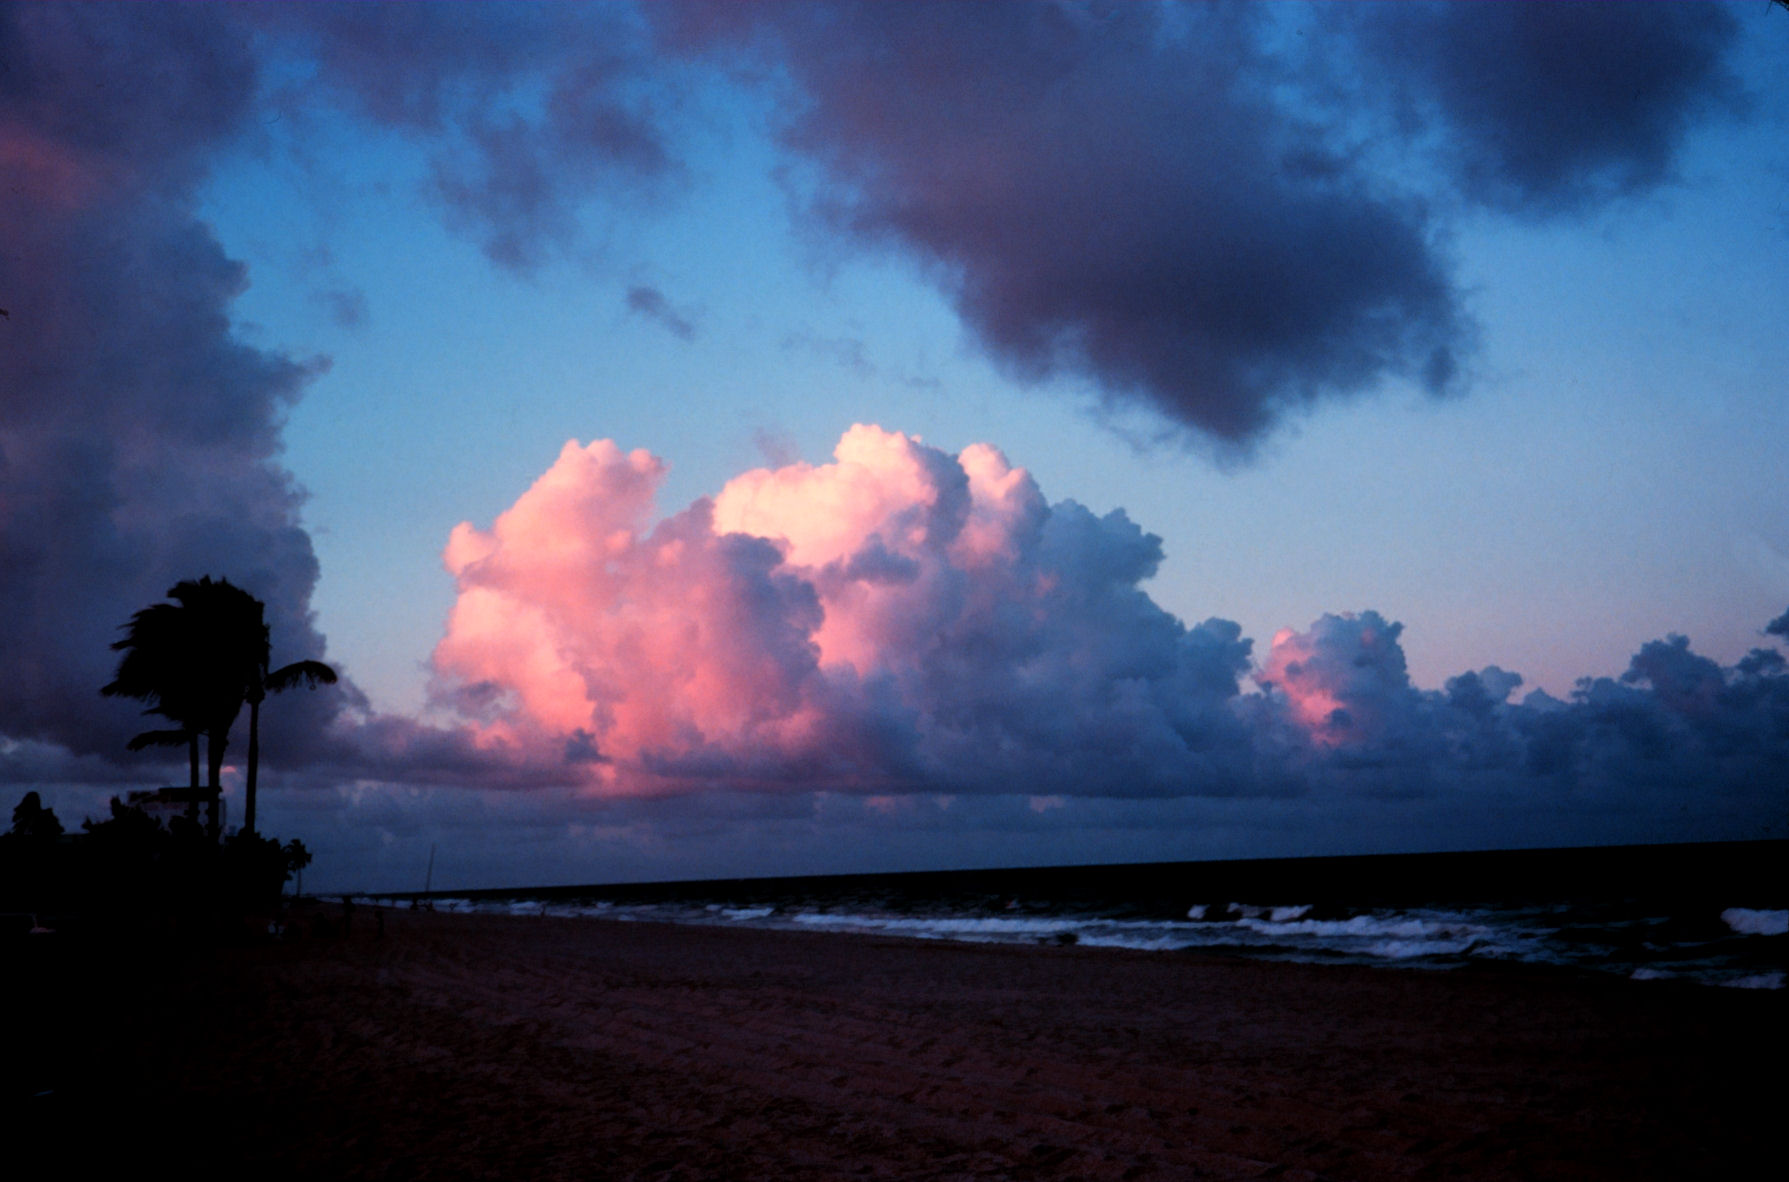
(235, 622)
(157, 668)
(309, 674)
(196, 661)
(228, 637)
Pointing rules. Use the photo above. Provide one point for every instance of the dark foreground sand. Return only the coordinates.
(487, 1047)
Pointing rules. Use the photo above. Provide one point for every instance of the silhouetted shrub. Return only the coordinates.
(131, 870)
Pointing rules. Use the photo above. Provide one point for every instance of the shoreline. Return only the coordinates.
(474, 1046)
(1741, 871)
(1712, 913)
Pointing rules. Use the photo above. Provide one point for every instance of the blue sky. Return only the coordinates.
(726, 238)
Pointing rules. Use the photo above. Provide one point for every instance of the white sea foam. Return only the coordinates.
(1411, 949)
(1748, 921)
(1273, 914)
(950, 927)
(1399, 938)
(1641, 947)
(1165, 941)
(1361, 926)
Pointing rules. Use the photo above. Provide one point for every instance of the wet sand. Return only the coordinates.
(463, 1046)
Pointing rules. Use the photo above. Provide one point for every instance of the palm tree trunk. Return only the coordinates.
(254, 763)
(217, 740)
(192, 767)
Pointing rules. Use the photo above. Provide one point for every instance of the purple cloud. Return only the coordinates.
(137, 434)
(1554, 107)
(1115, 195)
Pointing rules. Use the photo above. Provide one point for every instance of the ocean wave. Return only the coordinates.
(1748, 921)
(1393, 927)
(960, 926)
(1729, 980)
(1735, 950)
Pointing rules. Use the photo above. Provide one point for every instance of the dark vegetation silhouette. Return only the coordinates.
(196, 662)
(132, 872)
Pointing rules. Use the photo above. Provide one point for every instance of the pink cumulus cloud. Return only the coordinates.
(655, 651)
(1339, 676)
(898, 618)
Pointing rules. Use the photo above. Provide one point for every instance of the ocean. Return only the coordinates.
(1711, 914)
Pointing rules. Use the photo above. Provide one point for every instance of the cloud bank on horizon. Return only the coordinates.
(902, 620)
(1128, 196)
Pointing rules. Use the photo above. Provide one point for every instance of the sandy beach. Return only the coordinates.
(463, 1046)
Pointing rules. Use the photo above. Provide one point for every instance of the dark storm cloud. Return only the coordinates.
(138, 436)
(1115, 194)
(131, 94)
(1551, 107)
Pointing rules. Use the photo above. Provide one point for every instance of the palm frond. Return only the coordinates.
(309, 674)
(159, 739)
